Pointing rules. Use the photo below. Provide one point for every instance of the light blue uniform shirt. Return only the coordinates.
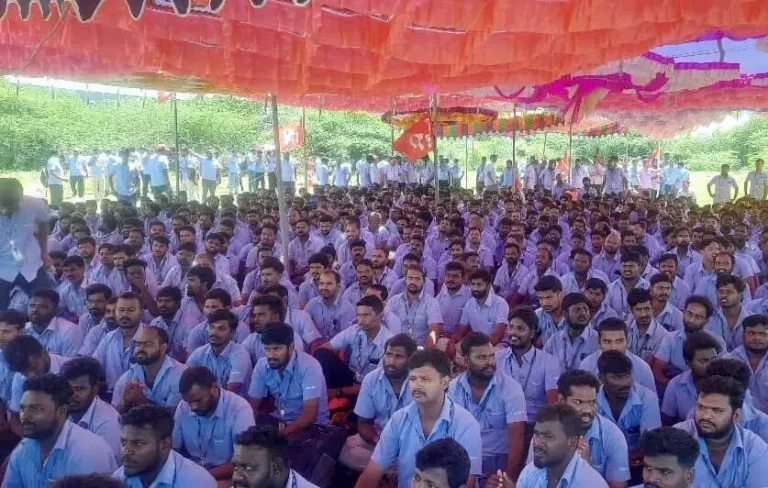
(124, 179)
(177, 472)
(61, 337)
(164, 392)
(547, 325)
(210, 441)
(377, 399)
(611, 267)
(104, 421)
(72, 298)
(537, 375)
(718, 325)
(608, 452)
(577, 474)
(452, 307)
(93, 338)
(616, 296)
(178, 333)
(671, 318)
(604, 312)
(330, 319)
(502, 404)
(415, 317)
(197, 336)
(404, 436)
(233, 365)
(302, 380)
(645, 345)
(570, 354)
(363, 356)
(17, 384)
(758, 383)
(670, 350)
(114, 358)
(505, 283)
(484, 317)
(6, 380)
(743, 465)
(641, 372)
(680, 396)
(640, 413)
(570, 285)
(76, 451)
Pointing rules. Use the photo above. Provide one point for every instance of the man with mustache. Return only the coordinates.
(433, 414)
(261, 461)
(645, 334)
(419, 313)
(207, 420)
(556, 461)
(57, 335)
(97, 333)
(754, 353)
(570, 346)
(153, 376)
(728, 318)
(384, 391)
(511, 271)
(330, 312)
(594, 291)
(666, 314)
(485, 312)
(634, 408)
(147, 455)
(680, 291)
(730, 455)
(629, 280)
(294, 379)
(97, 296)
(226, 359)
(168, 305)
(497, 402)
(669, 456)
(53, 446)
(684, 252)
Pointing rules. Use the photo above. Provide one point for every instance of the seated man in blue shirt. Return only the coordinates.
(730, 455)
(208, 420)
(631, 406)
(602, 443)
(431, 416)
(261, 460)
(363, 346)
(669, 455)
(294, 379)
(441, 464)
(496, 400)
(384, 391)
(148, 456)
(556, 460)
(680, 395)
(53, 447)
(57, 335)
(571, 345)
(86, 409)
(91, 480)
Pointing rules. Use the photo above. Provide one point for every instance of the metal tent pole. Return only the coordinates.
(514, 134)
(306, 156)
(466, 157)
(434, 147)
(544, 152)
(279, 177)
(570, 150)
(176, 137)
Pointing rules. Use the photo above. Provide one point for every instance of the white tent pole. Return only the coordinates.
(281, 204)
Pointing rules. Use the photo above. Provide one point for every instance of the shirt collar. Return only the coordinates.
(167, 475)
(464, 382)
(61, 441)
(87, 419)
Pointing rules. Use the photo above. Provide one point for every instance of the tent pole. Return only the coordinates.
(391, 126)
(514, 134)
(306, 156)
(176, 139)
(279, 177)
(570, 151)
(544, 152)
(434, 147)
(466, 157)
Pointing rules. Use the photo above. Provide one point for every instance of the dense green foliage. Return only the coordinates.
(35, 121)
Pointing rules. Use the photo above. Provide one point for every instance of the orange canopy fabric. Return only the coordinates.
(359, 53)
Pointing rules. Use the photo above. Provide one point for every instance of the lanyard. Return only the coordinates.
(568, 366)
(478, 413)
(639, 350)
(283, 395)
(205, 444)
(361, 364)
(400, 399)
(530, 368)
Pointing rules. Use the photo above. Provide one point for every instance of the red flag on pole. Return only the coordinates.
(291, 136)
(417, 141)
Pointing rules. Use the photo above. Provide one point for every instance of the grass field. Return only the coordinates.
(31, 182)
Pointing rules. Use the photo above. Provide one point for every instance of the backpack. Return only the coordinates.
(44, 177)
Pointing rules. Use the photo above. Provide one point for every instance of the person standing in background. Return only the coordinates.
(233, 172)
(480, 175)
(756, 183)
(255, 170)
(78, 171)
(55, 178)
(189, 166)
(723, 184)
(271, 166)
(210, 173)
(288, 173)
(490, 178)
(456, 174)
(98, 170)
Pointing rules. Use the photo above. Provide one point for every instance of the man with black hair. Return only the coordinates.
(581, 272)
(226, 359)
(153, 376)
(594, 291)
(383, 391)
(602, 443)
(85, 376)
(147, 454)
(57, 335)
(496, 400)
(330, 313)
(309, 288)
(630, 279)
(754, 353)
(551, 315)
(348, 270)
(419, 312)
(631, 406)
(510, 273)
(729, 316)
(208, 420)
(730, 455)
(97, 296)
(72, 289)
(160, 261)
(53, 447)
(215, 300)
(668, 360)
(363, 280)
(11, 326)
(485, 312)
(668, 264)
(612, 336)
(645, 334)
(669, 456)
(97, 333)
(528, 291)
(441, 464)
(294, 379)
(666, 314)
(680, 395)
(168, 305)
(452, 298)
(185, 257)
(433, 415)
(266, 309)
(556, 461)
(571, 345)
(261, 460)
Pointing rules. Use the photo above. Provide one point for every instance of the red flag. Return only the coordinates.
(417, 141)
(291, 136)
(163, 97)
